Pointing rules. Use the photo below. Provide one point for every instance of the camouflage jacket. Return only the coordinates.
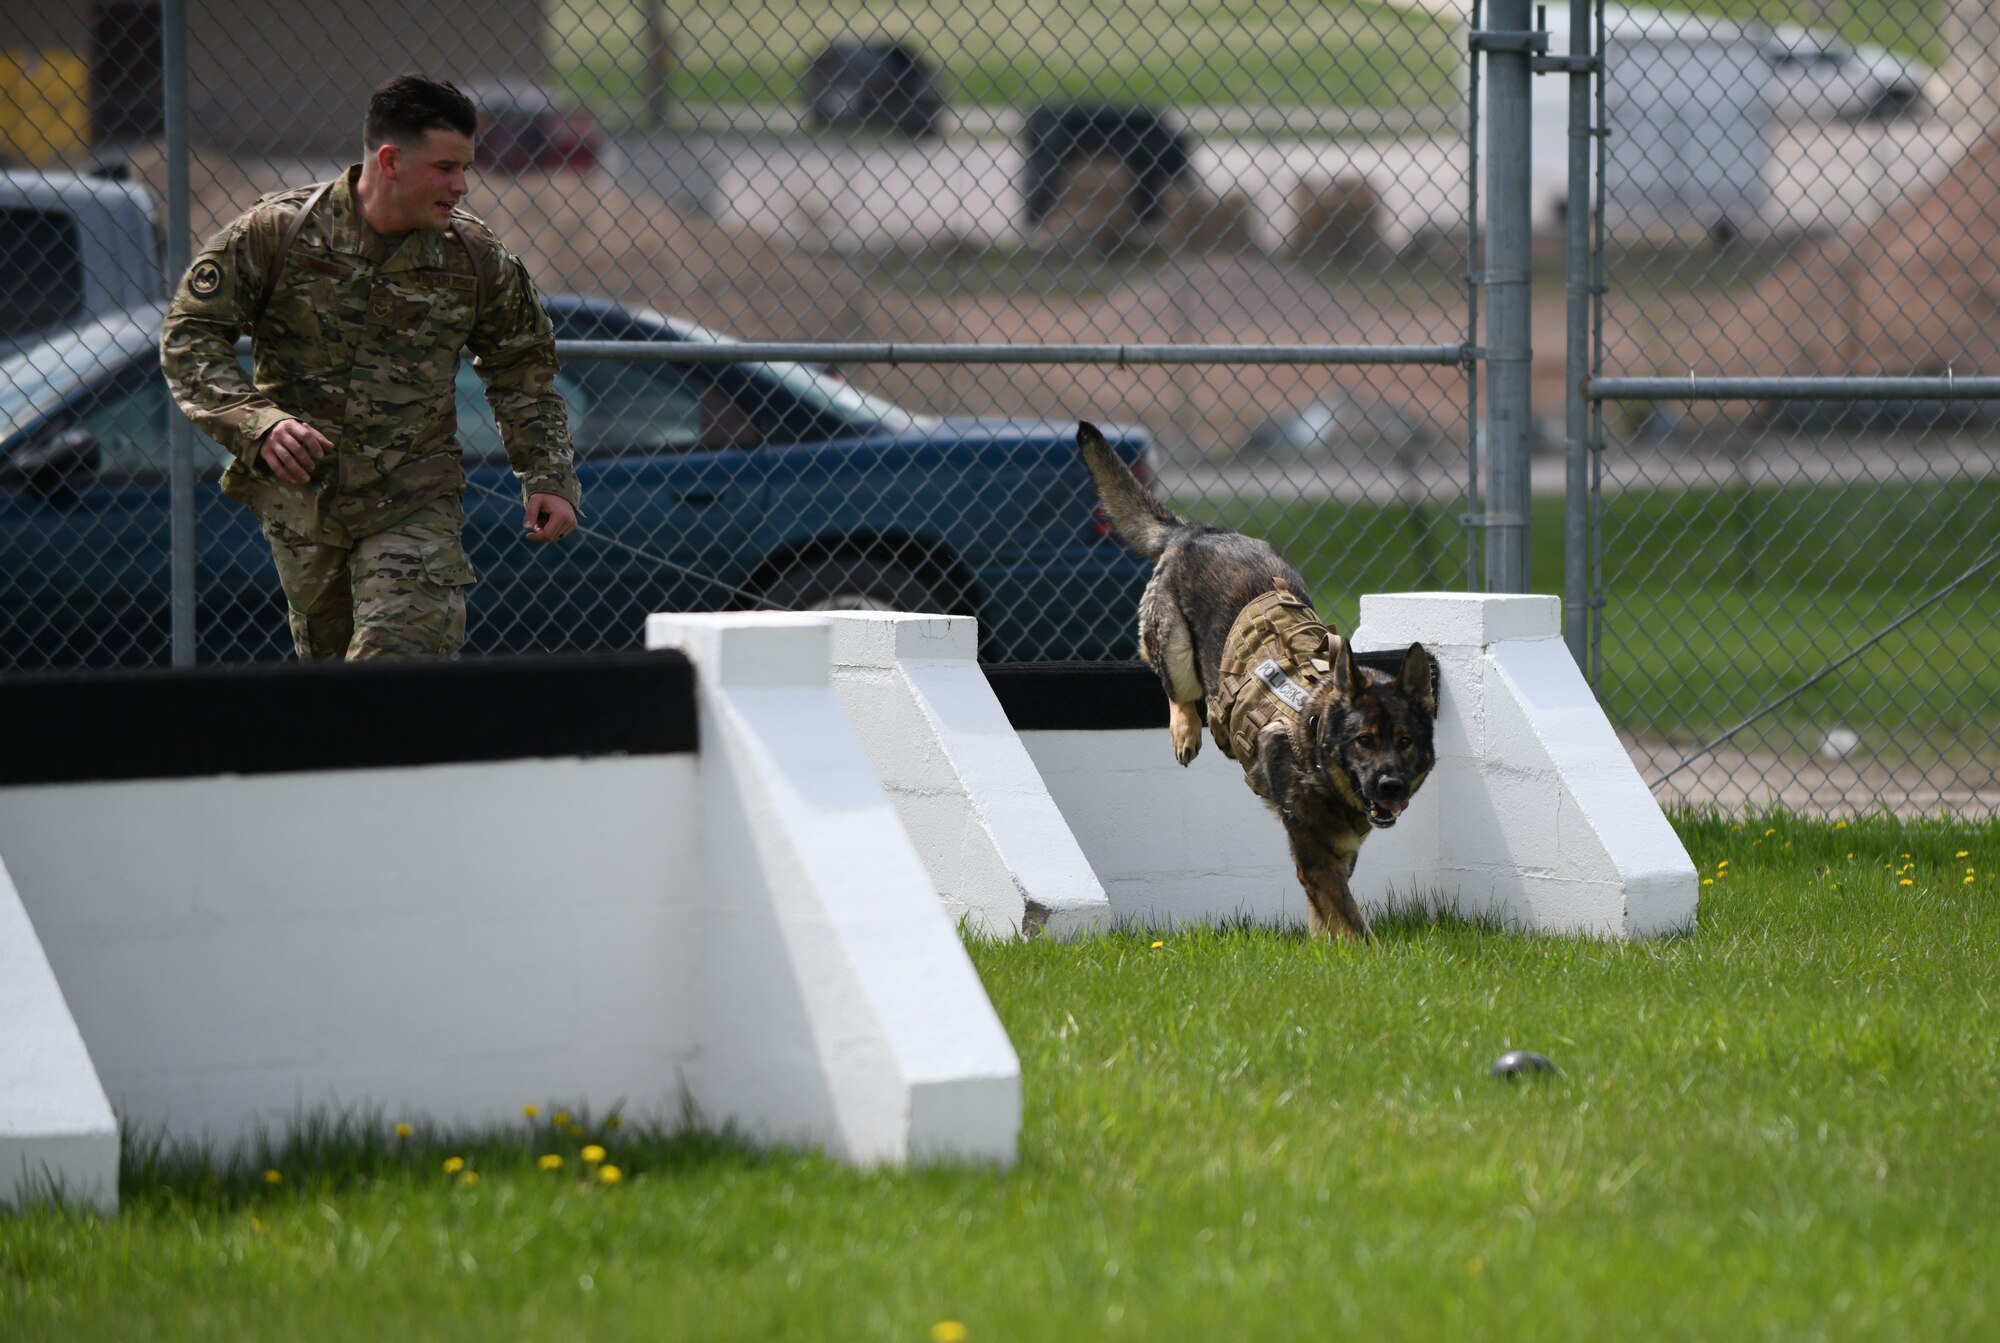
(1275, 654)
(365, 351)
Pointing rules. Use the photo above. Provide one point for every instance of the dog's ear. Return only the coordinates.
(1415, 680)
(1343, 671)
(1087, 433)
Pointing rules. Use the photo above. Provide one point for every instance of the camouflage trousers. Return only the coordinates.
(399, 592)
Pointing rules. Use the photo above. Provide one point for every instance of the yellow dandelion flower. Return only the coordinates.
(1772, 831)
(453, 1165)
(1963, 853)
(1723, 863)
(609, 1174)
(1907, 882)
(1906, 855)
(469, 1179)
(404, 1130)
(1967, 881)
(552, 1161)
(561, 1118)
(1840, 825)
(530, 1111)
(1159, 944)
(274, 1177)
(593, 1154)
(574, 1130)
(1708, 881)
(947, 1331)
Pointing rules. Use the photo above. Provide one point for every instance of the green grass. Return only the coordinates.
(1185, 53)
(1182, 52)
(1722, 599)
(1776, 1126)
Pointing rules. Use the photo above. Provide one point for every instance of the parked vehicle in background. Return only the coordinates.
(71, 248)
(522, 128)
(1816, 76)
(878, 86)
(1348, 426)
(706, 487)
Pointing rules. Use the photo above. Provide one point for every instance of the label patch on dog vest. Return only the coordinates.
(1278, 683)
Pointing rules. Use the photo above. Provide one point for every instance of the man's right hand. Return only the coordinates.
(292, 448)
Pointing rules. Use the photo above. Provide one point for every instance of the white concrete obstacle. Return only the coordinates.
(992, 839)
(747, 928)
(58, 1137)
(844, 1009)
(1534, 815)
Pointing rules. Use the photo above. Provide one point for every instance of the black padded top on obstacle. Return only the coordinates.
(1105, 696)
(164, 723)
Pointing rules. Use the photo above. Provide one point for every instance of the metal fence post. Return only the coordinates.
(1508, 339)
(180, 433)
(1577, 614)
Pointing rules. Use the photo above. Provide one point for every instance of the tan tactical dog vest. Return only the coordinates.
(1276, 652)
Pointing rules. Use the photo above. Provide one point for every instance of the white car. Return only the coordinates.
(1816, 76)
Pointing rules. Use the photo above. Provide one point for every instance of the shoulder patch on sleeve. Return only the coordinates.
(205, 278)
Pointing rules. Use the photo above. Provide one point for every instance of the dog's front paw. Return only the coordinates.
(1184, 726)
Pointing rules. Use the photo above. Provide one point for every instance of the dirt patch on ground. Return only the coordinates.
(1738, 781)
(586, 233)
(1912, 292)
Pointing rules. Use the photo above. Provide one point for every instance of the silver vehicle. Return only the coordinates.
(1816, 76)
(71, 248)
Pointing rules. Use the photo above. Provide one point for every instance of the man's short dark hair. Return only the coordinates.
(403, 109)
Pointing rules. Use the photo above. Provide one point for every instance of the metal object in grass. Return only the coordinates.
(1517, 1063)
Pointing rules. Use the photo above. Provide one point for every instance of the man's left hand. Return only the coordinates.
(550, 517)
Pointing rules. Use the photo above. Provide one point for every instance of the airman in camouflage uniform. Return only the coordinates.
(344, 436)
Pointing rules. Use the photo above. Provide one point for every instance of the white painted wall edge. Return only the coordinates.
(967, 792)
(1534, 814)
(836, 1004)
(58, 1136)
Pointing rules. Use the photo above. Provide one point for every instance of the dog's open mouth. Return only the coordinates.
(1382, 815)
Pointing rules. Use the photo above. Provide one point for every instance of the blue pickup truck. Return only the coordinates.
(706, 487)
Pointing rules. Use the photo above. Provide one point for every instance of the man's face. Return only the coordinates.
(426, 178)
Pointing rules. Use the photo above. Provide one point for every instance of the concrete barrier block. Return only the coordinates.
(836, 1003)
(993, 841)
(1170, 845)
(748, 648)
(1547, 799)
(58, 1137)
(1471, 619)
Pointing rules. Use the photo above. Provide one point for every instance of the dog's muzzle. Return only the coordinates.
(1392, 795)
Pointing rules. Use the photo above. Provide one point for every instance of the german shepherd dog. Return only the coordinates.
(1351, 747)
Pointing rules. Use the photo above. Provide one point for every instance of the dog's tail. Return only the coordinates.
(1142, 522)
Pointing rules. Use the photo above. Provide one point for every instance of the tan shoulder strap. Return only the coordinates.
(292, 230)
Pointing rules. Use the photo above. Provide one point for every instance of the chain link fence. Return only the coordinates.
(1251, 233)
(1798, 584)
